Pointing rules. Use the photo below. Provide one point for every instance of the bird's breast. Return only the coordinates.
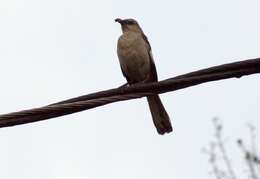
(134, 57)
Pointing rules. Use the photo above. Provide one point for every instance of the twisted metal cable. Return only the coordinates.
(237, 69)
(51, 111)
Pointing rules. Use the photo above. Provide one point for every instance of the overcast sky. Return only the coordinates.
(51, 50)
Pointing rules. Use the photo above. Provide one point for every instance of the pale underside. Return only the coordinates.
(134, 57)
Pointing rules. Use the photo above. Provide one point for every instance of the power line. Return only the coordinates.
(231, 70)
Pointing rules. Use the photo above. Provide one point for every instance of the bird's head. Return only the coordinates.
(129, 25)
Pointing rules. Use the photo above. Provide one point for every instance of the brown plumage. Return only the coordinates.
(137, 65)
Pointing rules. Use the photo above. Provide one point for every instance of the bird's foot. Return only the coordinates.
(124, 85)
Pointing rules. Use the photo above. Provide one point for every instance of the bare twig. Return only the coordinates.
(253, 138)
(218, 173)
(249, 159)
(81, 103)
(222, 149)
(251, 156)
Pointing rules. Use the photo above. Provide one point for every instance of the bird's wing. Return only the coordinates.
(153, 76)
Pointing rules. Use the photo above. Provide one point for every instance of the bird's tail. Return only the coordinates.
(160, 117)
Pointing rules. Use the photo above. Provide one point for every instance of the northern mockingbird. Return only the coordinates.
(137, 64)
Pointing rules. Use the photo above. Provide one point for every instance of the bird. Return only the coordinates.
(137, 65)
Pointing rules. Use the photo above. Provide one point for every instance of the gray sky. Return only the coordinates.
(52, 50)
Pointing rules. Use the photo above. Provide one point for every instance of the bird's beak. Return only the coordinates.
(120, 21)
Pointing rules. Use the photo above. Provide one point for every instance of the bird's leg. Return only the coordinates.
(130, 83)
